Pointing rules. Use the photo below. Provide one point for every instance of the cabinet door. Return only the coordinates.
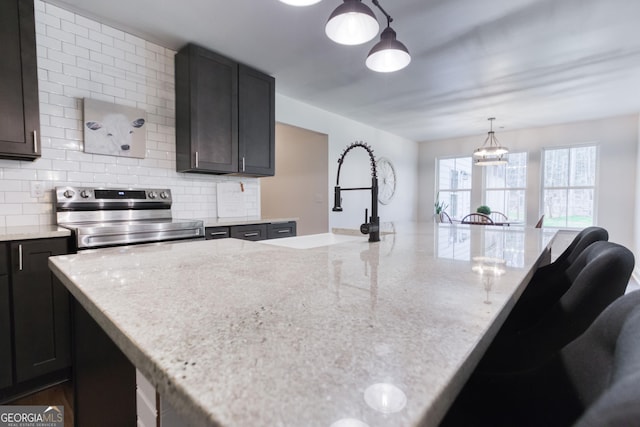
(256, 106)
(19, 108)
(40, 309)
(6, 365)
(206, 112)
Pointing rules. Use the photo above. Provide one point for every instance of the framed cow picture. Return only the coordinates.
(115, 130)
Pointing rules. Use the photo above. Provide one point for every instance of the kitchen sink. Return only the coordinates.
(315, 240)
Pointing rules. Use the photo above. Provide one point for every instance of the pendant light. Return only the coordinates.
(300, 2)
(491, 152)
(352, 23)
(388, 54)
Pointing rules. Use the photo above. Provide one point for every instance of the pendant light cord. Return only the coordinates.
(384, 12)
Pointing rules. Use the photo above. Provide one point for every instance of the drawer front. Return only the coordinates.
(212, 233)
(249, 232)
(281, 229)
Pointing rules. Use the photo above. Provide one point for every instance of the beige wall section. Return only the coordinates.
(299, 187)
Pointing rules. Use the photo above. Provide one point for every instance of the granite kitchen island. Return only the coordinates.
(338, 332)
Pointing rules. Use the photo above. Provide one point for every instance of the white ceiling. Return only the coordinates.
(528, 63)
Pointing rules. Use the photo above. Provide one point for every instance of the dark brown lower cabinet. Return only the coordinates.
(37, 307)
(42, 331)
(6, 347)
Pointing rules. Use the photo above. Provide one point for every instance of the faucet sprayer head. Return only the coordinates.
(337, 200)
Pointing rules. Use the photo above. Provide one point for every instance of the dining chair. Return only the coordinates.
(498, 216)
(540, 222)
(534, 331)
(444, 217)
(592, 381)
(477, 218)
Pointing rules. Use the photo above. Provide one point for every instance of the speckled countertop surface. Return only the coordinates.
(32, 232)
(238, 333)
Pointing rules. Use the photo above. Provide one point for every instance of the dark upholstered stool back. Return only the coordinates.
(596, 278)
(593, 381)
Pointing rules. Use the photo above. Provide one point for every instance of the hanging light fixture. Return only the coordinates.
(300, 2)
(388, 54)
(491, 152)
(352, 23)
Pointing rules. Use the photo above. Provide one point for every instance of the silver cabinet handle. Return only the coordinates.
(19, 257)
(35, 141)
(218, 233)
(251, 234)
(283, 231)
(242, 163)
(196, 159)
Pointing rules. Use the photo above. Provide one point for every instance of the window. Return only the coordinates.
(454, 185)
(505, 187)
(569, 185)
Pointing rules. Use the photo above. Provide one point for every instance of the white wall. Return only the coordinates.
(81, 58)
(618, 160)
(356, 170)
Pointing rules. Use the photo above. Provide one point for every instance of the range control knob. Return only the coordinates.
(152, 194)
(85, 194)
(69, 194)
(164, 195)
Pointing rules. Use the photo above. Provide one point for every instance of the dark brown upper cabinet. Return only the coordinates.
(19, 108)
(225, 115)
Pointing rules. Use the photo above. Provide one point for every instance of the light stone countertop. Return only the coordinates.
(239, 333)
(28, 232)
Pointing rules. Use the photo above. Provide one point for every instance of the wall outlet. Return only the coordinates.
(37, 189)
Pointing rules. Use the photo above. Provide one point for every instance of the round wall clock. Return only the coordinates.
(386, 180)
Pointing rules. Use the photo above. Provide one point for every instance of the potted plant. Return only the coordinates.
(484, 209)
(439, 207)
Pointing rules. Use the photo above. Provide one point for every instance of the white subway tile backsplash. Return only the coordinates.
(21, 220)
(66, 165)
(87, 23)
(86, 43)
(101, 37)
(87, 64)
(57, 33)
(50, 65)
(72, 27)
(45, 42)
(102, 58)
(47, 19)
(112, 32)
(59, 13)
(19, 174)
(72, 70)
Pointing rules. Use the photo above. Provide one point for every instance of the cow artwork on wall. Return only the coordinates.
(115, 130)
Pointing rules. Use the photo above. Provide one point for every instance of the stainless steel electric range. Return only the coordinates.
(101, 217)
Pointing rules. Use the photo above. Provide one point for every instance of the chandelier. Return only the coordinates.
(491, 152)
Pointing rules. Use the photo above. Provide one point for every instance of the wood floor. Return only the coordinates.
(61, 395)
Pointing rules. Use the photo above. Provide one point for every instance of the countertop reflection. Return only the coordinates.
(345, 334)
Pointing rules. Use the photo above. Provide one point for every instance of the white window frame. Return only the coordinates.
(568, 187)
(469, 190)
(486, 189)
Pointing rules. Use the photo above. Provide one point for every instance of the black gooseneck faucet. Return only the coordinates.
(372, 227)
